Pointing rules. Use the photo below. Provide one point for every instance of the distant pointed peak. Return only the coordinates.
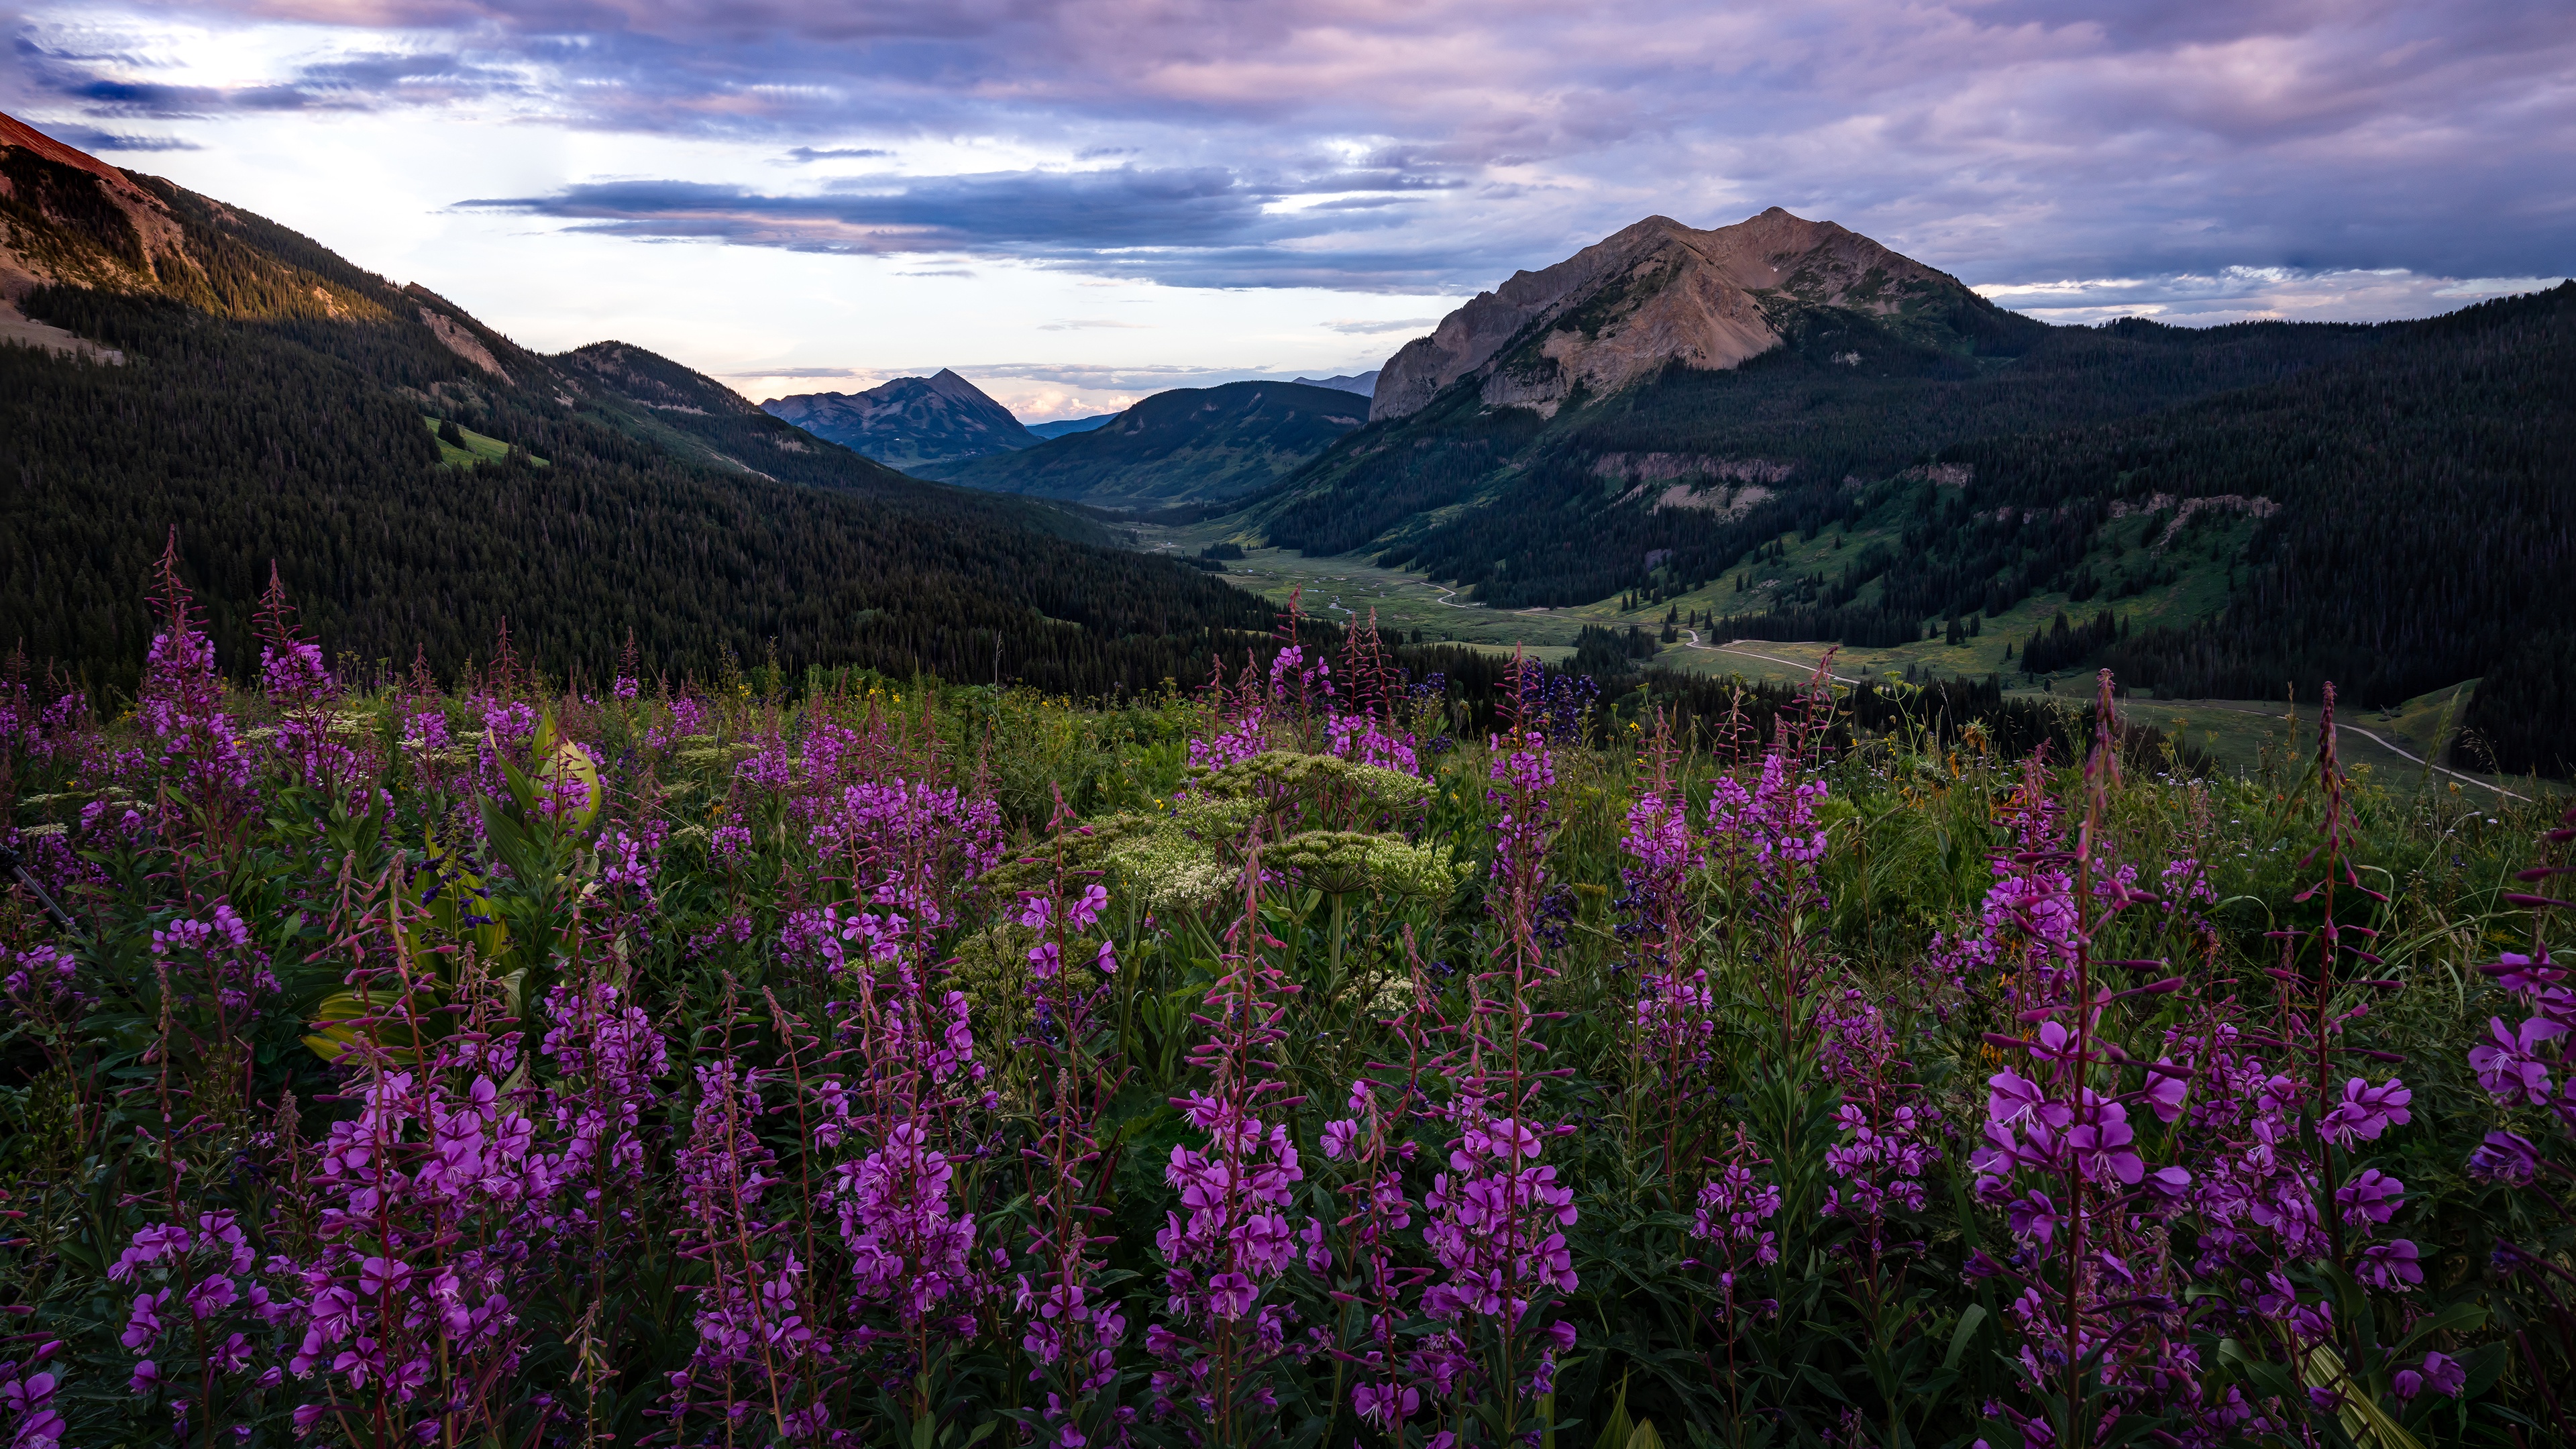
(947, 383)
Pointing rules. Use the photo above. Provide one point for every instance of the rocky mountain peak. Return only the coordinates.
(1653, 294)
(910, 421)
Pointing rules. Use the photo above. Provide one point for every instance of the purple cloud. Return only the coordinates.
(1198, 226)
(2009, 141)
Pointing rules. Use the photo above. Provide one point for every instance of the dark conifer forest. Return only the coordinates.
(278, 405)
(2407, 485)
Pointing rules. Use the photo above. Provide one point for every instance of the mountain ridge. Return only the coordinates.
(907, 422)
(1363, 383)
(1657, 293)
(1902, 459)
(270, 409)
(1186, 445)
(1061, 426)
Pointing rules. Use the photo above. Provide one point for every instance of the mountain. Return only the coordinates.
(1188, 445)
(1063, 426)
(1798, 434)
(910, 421)
(272, 401)
(1363, 383)
(1662, 294)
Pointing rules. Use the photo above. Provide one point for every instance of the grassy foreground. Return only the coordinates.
(886, 1062)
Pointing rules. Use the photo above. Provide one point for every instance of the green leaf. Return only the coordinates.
(2458, 1318)
(2484, 1365)
(1959, 1336)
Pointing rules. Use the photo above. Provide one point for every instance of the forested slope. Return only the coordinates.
(272, 407)
(1188, 445)
(2404, 495)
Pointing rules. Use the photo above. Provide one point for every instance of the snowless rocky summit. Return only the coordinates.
(1658, 292)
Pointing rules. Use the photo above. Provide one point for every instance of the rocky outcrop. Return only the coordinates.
(67, 217)
(455, 337)
(1657, 294)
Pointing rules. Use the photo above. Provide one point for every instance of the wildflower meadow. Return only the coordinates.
(1314, 1056)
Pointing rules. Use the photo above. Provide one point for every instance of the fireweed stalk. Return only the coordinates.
(409, 1307)
(1672, 1023)
(755, 1335)
(1373, 1147)
(2061, 1156)
(1371, 1142)
(1232, 1243)
(903, 1113)
(2527, 1153)
(2288, 1228)
(1734, 1204)
(1765, 846)
(1495, 1218)
(1071, 1325)
(2343, 1209)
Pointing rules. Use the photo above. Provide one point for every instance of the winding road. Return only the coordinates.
(1693, 643)
(2394, 749)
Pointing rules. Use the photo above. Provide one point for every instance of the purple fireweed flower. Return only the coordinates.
(2389, 1267)
(2372, 1197)
(2507, 1157)
(2366, 1111)
(1495, 1225)
(1733, 1206)
(2509, 1065)
(2532, 973)
(30, 1400)
(143, 1325)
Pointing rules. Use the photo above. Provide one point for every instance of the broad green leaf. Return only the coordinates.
(1959, 1336)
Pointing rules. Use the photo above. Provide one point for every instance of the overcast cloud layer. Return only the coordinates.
(1277, 188)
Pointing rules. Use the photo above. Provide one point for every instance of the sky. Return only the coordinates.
(1076, 203)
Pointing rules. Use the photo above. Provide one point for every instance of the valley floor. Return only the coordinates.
(2235, 733)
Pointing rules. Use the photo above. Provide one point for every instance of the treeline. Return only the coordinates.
(1713, 711)
(2427, 509)
(299, 440)
(1601, 650)
(2522, 717)
(2065, 644)
(1550, 534)
(2404, 494)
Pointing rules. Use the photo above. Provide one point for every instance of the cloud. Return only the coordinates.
(807, 154)
(115, 84)
(939, 272)
(1188, 226)
(2238, 294)
(1363, 327)
(1442, 144)
(90, 138)
(1089, 323)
